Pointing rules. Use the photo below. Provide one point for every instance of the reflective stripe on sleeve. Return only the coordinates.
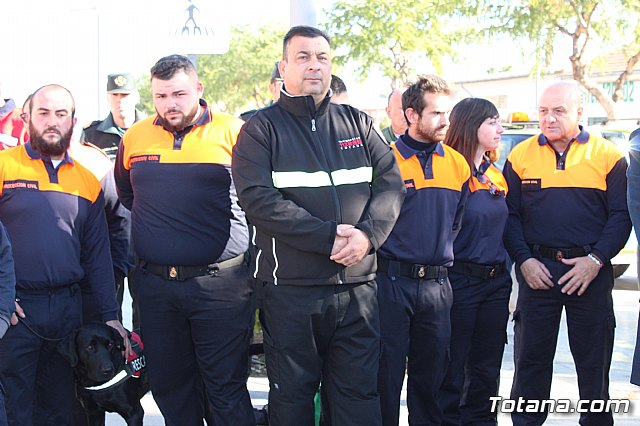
(320, 179)
(300, 179)
(351, 176)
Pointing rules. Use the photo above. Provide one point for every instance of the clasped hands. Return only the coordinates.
(583, 271)
(350, 246)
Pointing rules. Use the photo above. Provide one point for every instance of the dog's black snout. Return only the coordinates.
(107, 370)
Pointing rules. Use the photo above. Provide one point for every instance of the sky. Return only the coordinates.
(76, 43)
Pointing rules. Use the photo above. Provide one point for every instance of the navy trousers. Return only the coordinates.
(38, 382)
(3, 411)
(321, 332)
(415, 326)
(590, 325)
(196, 336)
(479, 318)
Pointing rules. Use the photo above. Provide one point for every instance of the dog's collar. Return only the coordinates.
(128, 370)
(135, 363)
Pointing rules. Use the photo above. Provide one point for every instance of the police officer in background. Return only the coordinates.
(123, 97)
(567, 218)
(173, 171)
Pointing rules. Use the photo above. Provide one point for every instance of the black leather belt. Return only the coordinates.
(412, 270)
(183, 273)
(48, 290)
(558, 254)
(478, 270)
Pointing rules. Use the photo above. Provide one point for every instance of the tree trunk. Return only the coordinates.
(603, 99)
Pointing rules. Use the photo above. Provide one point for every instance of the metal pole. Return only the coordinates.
(303, 12)
(194, 60)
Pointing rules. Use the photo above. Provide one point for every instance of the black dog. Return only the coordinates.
(95, 353)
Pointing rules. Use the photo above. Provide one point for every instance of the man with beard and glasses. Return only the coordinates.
(53, 209)
(414, 293)
(173, 171)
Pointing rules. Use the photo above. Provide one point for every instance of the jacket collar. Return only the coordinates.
(303, 106)
(109, 126)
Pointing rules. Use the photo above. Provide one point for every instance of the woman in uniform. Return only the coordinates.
(480, 276)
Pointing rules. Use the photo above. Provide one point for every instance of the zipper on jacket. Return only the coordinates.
(338, 214)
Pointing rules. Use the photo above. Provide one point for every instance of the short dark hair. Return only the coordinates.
(275, 74)
(413, 97)
(302, 31)
(337, 85)
(168, 66)
(51, 86)
(465, 119)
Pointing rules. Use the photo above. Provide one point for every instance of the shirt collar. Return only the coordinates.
(484, 166)
(583, 137)
(35, 155)
(407, 152)
(204, 118)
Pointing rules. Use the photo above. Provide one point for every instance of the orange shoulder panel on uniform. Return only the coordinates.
(587, 164)
(148, 141)
(18, 168)
(450, 170)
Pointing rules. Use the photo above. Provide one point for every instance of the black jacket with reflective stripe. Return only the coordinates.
(299, 172)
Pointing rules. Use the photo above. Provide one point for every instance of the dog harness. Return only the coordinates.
(132, 368)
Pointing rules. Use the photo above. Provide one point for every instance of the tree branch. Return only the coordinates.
(624, 76)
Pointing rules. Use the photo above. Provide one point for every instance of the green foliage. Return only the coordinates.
(395, 35)
(595, 28)
(239, 79)
(144, 88)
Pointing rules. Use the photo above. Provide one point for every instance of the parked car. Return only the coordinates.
(517, 131)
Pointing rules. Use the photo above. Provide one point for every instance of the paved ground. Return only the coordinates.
(626, 299)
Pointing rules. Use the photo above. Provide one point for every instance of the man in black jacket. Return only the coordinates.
(323, 191)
